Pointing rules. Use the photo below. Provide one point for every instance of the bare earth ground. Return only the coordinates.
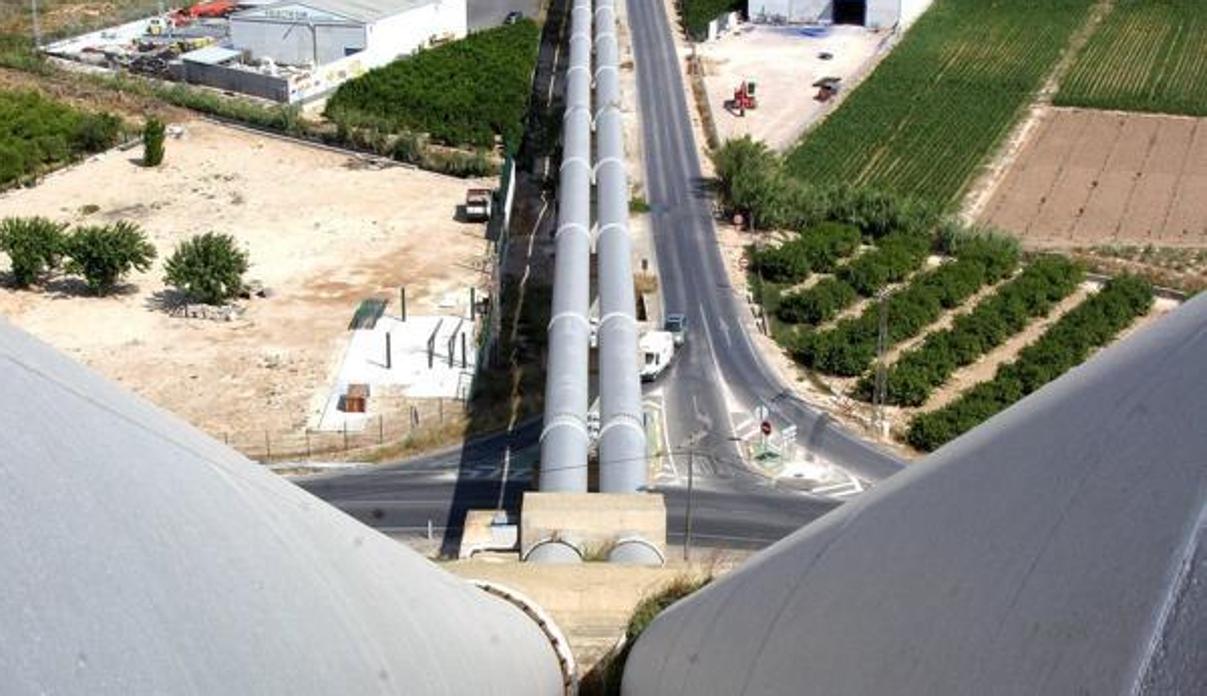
(323, 230)
(784, 63)
(1098, 177)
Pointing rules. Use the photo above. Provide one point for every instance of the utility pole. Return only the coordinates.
(687, 535)
(880, 390)
(37, 27)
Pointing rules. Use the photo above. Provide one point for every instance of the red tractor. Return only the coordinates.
(743, 98)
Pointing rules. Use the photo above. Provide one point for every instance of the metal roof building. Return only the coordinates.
(317, 32)
(1057, 549)
(139, 556)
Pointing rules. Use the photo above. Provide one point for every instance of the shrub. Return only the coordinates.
(1064, 345)
(208, 268)
(103, 255)
(152, 141)
(36, 132)
(849, 348)
(894, 258)
(818, 304)
(33, 245)
(918, 372)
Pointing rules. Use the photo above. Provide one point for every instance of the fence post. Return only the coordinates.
(440, 405)
(267, 445)
(472, 310)
(389, 358)
(345, 435)
(307, 443)
(464, 359)
(402, 301)
(381, 428)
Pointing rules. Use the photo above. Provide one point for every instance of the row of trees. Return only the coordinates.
(894, 258)
(753, 181)
(816, 249)
(1064, 345)
(36, 132)
(918, 372)
(206, 268)
(849, 348)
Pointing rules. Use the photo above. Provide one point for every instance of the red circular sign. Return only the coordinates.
(766, 427)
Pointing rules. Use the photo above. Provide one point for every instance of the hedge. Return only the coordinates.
(36, 133)
(817, 249)
(1066, 344)
(918, 372)
(818, 304)
(894, 258)
(462, 93)
(849, 348)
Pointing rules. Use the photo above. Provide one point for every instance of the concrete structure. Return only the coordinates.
(565, 527)
(140, 556)
(1059, 548)
(314, 32)
(875, 14)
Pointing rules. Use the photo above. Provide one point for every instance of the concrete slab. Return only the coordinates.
(592, 522)
(429, 357)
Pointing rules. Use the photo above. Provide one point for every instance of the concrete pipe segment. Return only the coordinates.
(622, 446)
(564, 440)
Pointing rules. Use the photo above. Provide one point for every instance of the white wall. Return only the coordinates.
(881, 14)
(403, 33)
(294, 43)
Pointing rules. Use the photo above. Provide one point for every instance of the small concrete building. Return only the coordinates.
(315, 32)
(874, 14)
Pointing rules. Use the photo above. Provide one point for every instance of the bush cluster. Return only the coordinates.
(1065, 345)
(849, 348)
(36, 132)
(753, 181)
(816, 249)
(1032, 294)
(462, 93)
(101, 254)
(818, 304)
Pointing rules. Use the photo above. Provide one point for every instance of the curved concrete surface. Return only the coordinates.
(140, 556)
(1056, 549)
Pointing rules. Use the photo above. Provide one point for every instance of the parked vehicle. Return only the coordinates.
(676, 325)
(477, 204)
(657, 350)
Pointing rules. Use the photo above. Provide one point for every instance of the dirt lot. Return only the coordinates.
(784, 63)
(1094, 177)
(323, 231)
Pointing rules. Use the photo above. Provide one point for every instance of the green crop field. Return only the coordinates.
(462, 93)
(1148, 55)
(926, 119)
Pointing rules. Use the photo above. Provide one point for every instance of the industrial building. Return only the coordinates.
(315, 32)
(874, 14)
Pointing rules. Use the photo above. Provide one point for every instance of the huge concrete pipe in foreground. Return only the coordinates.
(139, 556)
(622, 445)
(1059, 548)
(564, 440)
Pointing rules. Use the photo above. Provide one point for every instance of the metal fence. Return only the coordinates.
(419, 421)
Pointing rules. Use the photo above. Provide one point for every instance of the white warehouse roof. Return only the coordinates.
(139, 556)
(1060, 548)
(364, 11)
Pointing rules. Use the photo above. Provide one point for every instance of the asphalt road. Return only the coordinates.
(494, 471)
(719, 356)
